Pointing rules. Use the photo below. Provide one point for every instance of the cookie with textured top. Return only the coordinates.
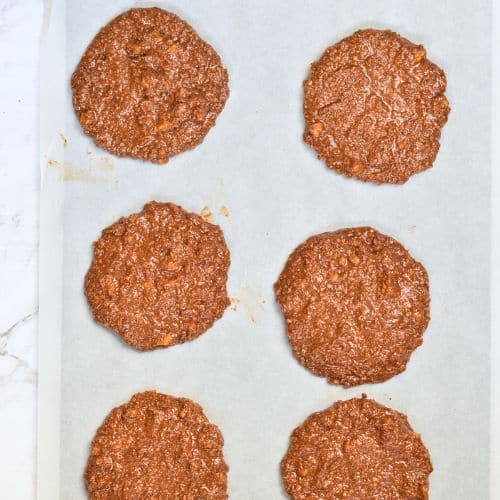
(157, 446)
(356, 305)
(148, 86)
(374, 106)
(356, 449)
(158, 277)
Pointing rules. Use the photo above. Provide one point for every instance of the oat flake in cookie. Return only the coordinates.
(356, 305)
(157, 447)
(158, 277)
(356, 449)
(148, 86)
(374, 107)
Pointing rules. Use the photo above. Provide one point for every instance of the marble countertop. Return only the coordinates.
(20, 29)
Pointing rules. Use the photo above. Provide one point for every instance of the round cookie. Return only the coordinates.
(148, 86)
(157, 446)
(374, 107)
(158, 277)
(356, 304)
(356, 449)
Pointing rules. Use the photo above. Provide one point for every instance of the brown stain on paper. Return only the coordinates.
(214, 199)
(234, 303)
(72, 173)
(105, 163)
(224, 211)
(206, 214)
(251, 300)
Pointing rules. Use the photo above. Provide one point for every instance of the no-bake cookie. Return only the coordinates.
(157, 446)
(148, 86)
(374, 106)
(356, 305)
(158, 277)
(356, 449)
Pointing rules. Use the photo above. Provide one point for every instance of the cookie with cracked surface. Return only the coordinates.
(374, 107)
(157, 446)
(148, 87)
(158, 277)
(356, 305)
(356, 449)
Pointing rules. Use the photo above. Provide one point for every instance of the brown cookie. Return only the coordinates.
(157, 446)
(356, 305)
(356, 449)
(148, 86)
(374, 107)
(158, 277)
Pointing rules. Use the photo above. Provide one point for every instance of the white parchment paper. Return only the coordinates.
(255, 163)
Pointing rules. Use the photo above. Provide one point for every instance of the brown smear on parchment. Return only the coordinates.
(105, 163)
(224, 211)
(74, 173)
(206, 214)
(251, 300)
(234, 303)
(214, 199)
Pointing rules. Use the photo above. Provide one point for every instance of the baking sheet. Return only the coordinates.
(254, 163)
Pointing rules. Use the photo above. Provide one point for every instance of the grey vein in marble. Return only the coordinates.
(29, 373)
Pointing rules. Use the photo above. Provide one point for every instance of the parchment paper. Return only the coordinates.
(255, 163)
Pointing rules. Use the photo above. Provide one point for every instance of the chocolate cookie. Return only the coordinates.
(356, 305)
(158, 277)
(356, 449)
(157, 446)
(374, 107)
(148, 86)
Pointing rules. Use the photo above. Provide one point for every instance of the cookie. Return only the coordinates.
(158, 277)
(356, 449)
(148, 86)
(374, 106)
(356, 305)
(157, 446)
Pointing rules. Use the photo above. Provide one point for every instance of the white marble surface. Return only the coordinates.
(20, 29)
